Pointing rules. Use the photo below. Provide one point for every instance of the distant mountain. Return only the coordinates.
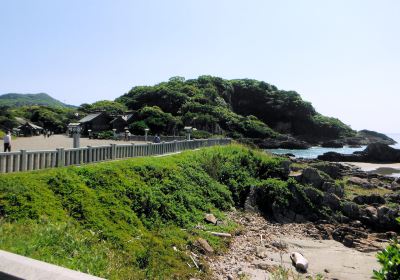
(19, 99)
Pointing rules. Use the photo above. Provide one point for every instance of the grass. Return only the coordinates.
(129, 219)
(351, 191)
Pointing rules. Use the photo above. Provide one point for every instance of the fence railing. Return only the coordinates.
(150, 138)
(34, 160)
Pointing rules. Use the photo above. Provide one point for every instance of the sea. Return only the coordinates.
(314, 152)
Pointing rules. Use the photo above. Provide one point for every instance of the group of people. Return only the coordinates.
(47, 133)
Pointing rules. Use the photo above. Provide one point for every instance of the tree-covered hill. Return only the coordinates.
(19, 99)
(241, 108)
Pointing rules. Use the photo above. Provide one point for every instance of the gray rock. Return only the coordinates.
(332, 201)
(313, 195)
(261, 252)
(334, 170)
(313, 177)
(360, 182)
(369, 199)
(204, 246)
(371, 211)
(210, 218)
(351, 210)
(331, 187)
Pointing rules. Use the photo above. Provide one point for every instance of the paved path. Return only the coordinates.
(56, 141)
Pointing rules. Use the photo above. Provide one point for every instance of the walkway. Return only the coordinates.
(56, 141)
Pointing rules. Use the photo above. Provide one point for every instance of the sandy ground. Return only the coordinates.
(328, 258)
(56, 141)
(392, 169)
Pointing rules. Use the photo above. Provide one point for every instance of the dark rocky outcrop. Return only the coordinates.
(283, 142)
(332, 144)
(376, 152)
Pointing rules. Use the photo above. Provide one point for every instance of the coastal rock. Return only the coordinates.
(351, 210)
(375, 152)
(313, 177)
(360, 182)
(334, 170)
(331, 187)
(369, 199)
(332, 144)
(387, 217)
(284, 142)
(313, 195)
(332, 201)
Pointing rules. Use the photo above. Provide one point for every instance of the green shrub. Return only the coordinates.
(105, 135)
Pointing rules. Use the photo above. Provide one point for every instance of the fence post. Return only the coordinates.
(23, 161)
(113, 151)
(60, 157)
(89, 154)
(133, 150)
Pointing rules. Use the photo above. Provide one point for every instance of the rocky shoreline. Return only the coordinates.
(362, 138)
(364, 209)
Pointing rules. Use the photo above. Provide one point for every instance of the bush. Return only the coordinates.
(105, 135)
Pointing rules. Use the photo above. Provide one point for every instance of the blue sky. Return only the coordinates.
(341, 55)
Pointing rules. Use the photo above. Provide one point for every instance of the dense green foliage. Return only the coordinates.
(241, 108)
(111, 107)
(389, 258)
(17, 100)
(156, 120)
(52, 118)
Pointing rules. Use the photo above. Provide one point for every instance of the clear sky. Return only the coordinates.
(342, 55)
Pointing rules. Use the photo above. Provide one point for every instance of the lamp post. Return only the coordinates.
(75, 130)
(126, 133)
(146, 131)
(188, 131)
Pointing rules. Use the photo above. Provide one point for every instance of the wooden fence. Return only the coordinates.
(34, 160)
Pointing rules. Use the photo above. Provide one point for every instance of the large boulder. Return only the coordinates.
(369, 199)
(351, 210)
(313, 177)
(332, 201)
(334, 170)
(375, 152)
(332, 144)
(360, 182)
(331, 187)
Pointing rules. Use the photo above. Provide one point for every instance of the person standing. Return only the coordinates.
(7, 142)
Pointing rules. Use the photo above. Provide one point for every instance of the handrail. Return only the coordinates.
(13, 266)
(23, 160)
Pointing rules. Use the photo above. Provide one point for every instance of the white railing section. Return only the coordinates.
(34, 160)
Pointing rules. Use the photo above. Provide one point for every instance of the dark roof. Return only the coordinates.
(89, 118)
(123, 117)
(34, 126)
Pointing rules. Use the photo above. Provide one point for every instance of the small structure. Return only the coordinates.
(29, 129)
(95, 122)
(75, 130)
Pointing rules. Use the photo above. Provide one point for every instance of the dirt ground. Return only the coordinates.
(264, 246)
(56, 141)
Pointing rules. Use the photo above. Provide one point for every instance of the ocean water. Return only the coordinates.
(314, 152)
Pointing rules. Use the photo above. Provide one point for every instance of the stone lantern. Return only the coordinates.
(75, 130)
